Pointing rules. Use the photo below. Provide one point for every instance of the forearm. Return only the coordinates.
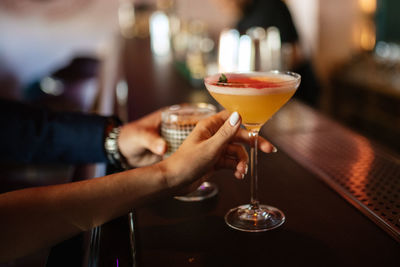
(39, 217)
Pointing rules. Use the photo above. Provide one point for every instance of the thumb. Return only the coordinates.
(154, 143)
(227, 131)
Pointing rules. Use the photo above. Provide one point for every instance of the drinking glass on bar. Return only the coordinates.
(177, 122)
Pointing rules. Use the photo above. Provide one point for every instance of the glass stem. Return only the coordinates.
(253, 134)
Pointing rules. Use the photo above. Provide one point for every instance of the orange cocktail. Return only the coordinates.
(255, 98)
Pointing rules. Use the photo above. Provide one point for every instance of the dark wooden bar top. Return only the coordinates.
(322, 228)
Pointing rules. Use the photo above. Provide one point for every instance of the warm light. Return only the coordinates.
(270, 50)
(365, 157)
(364, 35)
(367, 38)
(228, 50)
(367, 6)
(274, 38)
(160, 34)
(126, 18)
(245, 53)
(366, 32)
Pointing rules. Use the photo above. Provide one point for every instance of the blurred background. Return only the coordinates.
(61, 52)
(86, 55)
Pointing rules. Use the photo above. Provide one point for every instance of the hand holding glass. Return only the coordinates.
(177, 122)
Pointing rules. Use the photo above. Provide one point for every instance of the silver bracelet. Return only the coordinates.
(112, 149)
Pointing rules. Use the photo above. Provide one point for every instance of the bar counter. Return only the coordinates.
(312, 179)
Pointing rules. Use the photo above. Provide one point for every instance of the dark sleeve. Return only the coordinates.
(35, 135)
(267, 13)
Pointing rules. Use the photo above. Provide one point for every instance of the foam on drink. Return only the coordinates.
(251, 84)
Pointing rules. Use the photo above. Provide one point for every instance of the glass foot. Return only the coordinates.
(247, 218)
(204, 191)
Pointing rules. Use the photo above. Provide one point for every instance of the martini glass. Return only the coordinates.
(256, 96)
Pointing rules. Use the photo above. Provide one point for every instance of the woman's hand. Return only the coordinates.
(212, 145)
(140, 142)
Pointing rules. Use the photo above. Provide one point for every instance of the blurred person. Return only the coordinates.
(267, 13)
(54, 213)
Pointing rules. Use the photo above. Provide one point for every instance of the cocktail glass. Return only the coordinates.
(256, 96)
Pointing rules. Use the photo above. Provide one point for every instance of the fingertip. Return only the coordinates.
(242, 167)
(234, 118)
(160, 147)
(239, 175)
(267, 147)
(241, 170)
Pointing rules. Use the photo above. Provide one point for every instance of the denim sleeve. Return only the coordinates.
(37, 135)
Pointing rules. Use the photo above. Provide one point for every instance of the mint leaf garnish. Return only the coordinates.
(222, 78)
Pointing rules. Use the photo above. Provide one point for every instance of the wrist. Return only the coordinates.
(168, 177)
(111, 136)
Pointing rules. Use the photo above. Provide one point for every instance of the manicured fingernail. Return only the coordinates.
(160, 147)
(234, 118)
(246, 169)
(274, 150)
